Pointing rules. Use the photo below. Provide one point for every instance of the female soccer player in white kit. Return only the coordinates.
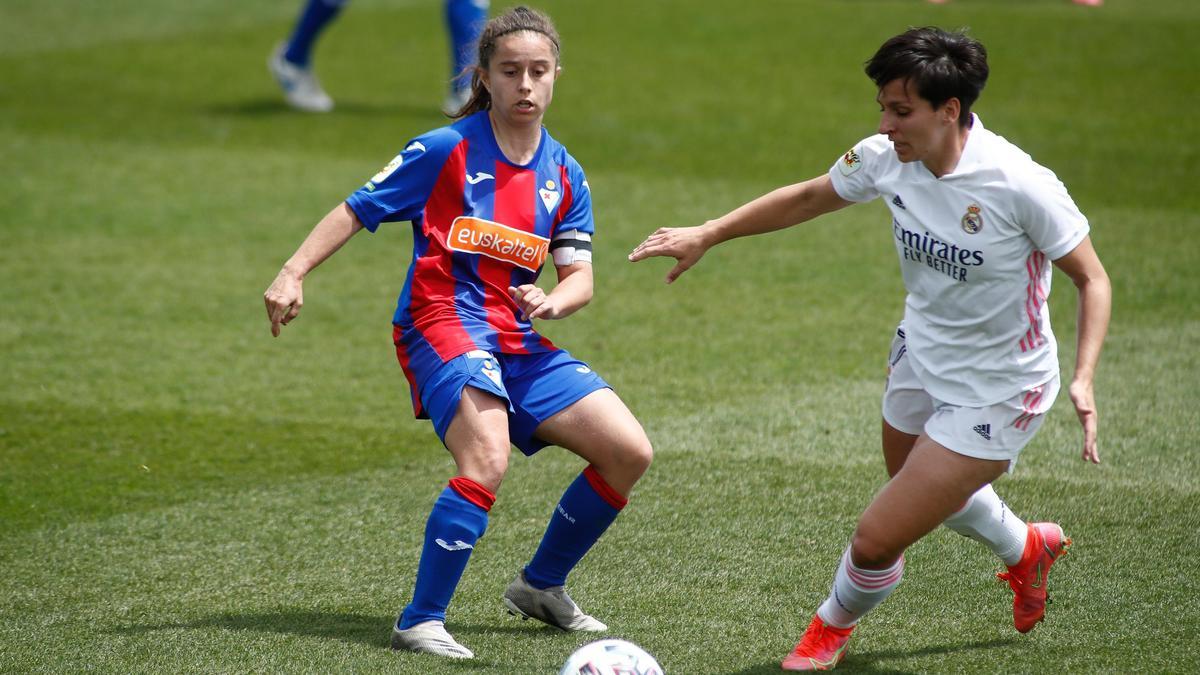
(973, 366)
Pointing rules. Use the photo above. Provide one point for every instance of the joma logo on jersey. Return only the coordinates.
(499, 242)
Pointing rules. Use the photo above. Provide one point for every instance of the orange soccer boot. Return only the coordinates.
(822, 647)
(1045, 544)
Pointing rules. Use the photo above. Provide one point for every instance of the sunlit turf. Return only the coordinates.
(181, 493)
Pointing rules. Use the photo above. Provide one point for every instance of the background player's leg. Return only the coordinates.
(289, 63)
(464, 22)
(316, 15)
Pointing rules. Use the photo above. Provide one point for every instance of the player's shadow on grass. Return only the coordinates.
(865, 662)
(354, 628)
(275, 107)
(373, 631)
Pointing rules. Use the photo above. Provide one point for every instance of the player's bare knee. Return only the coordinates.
(641, 453)
(872, 552)
(496, 465)
(486, 464)
(635, 456)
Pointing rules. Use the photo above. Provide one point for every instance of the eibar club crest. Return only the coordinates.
(549, 196)
(972, 222)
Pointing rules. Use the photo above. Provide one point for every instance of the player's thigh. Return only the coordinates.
(601, 429)
(906, 406)
(897, 445)
(477, 437)
(540, 386)
(998, 431)
(932, 484)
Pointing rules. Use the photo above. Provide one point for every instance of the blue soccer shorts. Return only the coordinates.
(535, 386)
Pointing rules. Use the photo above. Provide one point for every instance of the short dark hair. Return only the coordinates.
(941, 65)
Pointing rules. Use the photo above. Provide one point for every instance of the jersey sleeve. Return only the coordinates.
(400, 189)
(853, 174)
(1049, 215)
(572, 240)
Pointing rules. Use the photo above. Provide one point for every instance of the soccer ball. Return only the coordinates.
(611, 657)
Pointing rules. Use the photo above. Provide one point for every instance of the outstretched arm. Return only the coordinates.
(285, 296)
(1095, 306)
(787, 206)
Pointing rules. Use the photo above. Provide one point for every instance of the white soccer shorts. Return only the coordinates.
(997, 432)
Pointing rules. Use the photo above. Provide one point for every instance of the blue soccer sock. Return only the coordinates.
(464, 21)
(316, 15)
(585, 511)
(458, 519)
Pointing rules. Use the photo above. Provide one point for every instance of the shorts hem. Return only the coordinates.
(901, 428)
(973, 452)
(532, 444)
(468, 382)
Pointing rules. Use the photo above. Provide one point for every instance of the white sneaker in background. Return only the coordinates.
(300, 86)
(455, 100)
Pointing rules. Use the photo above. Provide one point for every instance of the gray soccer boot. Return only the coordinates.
(429, 637)
(549, 605)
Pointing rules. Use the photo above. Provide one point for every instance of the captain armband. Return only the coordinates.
(571, 247)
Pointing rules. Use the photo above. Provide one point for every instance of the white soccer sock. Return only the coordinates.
(987, 519)
(857, 591)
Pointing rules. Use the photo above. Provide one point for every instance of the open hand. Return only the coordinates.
(685, 244)
(1085, 406)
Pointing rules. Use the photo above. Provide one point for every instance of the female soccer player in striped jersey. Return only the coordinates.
(973, 366)
(491, 198)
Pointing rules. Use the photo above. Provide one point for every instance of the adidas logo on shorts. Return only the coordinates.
(984, 430)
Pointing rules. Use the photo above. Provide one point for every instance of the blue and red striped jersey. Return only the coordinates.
(480, 224)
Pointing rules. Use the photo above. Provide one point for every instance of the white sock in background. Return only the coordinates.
(987, 519)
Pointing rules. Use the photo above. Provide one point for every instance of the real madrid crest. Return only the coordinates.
(972, 222)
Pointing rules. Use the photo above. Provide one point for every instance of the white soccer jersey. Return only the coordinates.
(975, 248)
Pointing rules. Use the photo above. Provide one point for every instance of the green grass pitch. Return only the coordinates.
(181, 493)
